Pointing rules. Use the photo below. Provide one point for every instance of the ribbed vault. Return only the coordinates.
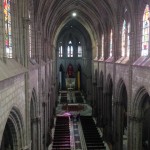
(92, 14)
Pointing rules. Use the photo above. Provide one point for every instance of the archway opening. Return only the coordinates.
(146, 123)
(73, 53)
(7, 140)
(13, 136)
(120, 118)
(107, 121)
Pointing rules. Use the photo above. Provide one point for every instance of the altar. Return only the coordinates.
(70, 85)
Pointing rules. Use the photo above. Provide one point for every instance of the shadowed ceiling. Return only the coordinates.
(94, 15)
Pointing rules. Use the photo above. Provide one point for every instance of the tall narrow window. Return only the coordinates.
(70, 49)
(8, 33)
(102, 54)
(124, 33)
(30, 34)
(128, 41)
(79, 50)
(60, 51)
(125, 51)
(145, 32)
(110, 52)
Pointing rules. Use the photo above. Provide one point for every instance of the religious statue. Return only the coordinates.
(70, 71)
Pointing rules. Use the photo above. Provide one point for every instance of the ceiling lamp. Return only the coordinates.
(74, 14)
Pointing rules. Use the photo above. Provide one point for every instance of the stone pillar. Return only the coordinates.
(35, 125)
(108, 117)
(93, 102)
(101, 105)
(135, 133)
(98, 105)
(104, 108)
(118, 126)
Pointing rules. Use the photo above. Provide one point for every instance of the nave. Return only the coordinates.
(74, 127)
(73, 134)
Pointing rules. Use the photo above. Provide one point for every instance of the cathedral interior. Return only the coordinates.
(74, 75)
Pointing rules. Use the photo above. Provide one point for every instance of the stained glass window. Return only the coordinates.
(110, 53)
(102, 46)
(8, 34)
(70, 49)
(145, 32)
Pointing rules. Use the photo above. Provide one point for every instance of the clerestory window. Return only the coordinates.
(125, 51)
(145, 31)
(110, 48)
(79, 50)
(8, 28)
(60, 51)
(70, 49)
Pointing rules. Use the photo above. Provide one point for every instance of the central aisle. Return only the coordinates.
(77, 139)
(65, 110)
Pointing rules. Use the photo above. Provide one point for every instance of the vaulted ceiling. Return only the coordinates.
(94, 15)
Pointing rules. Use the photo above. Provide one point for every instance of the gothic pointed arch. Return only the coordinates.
(140, 115)
(13, 136)
(139, 100)
(33, 107)
(121, 114)
(34, 120)
(108, 109)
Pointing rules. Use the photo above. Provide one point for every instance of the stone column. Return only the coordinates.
(35, 125)
(98, 105)
(101, 105)
(117, 126)
(104, 108)
(108, 117)
(44, 125)
(135, 134)
(94, 99)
